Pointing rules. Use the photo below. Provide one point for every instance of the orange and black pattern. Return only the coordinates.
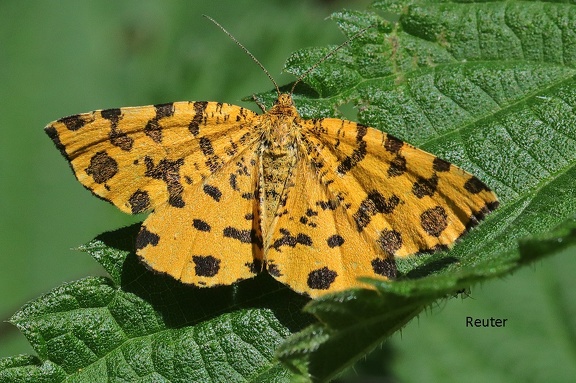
(316, 203)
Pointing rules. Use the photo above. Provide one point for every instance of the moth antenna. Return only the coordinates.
(328, 55)
(246, 51)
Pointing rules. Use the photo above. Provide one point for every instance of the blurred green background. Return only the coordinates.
(67, 57)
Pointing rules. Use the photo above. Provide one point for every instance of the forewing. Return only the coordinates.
(214, 238)
(403, 198)
(141, 157)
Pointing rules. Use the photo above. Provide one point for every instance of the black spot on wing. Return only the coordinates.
(77, 121)
(139, 201)
(425, 186)
(335, 240)
(357, 155)
(206, 265)
(121, 140)
(327, 205)
(308, 220)
(102, 167)
(434, 221)
(201, 225)
(199, 108)
(213, 162)
(390, 241)
(213, 192)
(117, 137)
(244, 236)
(247, 195)
(145, 238)
(373, 204)
(153, 128)
(234, 182)
(491, 206)
(321, 279)
(113, 115)
(311, 213)
(231, 150)
(164, 110)
(169, 172)
(273, 269)
(439, 165)
(475, 186)
(385, 267)
(287, 239)
(393, 144)
(397, 166)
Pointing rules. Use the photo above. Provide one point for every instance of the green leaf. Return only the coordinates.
(556, 240)
(26, 368)
(488, 86)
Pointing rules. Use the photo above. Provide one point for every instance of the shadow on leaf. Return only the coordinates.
(431, 267)
(185, 305)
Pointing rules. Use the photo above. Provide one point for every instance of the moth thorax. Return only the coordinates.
(280, 133)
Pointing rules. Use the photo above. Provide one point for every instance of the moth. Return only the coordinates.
(231, 193)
